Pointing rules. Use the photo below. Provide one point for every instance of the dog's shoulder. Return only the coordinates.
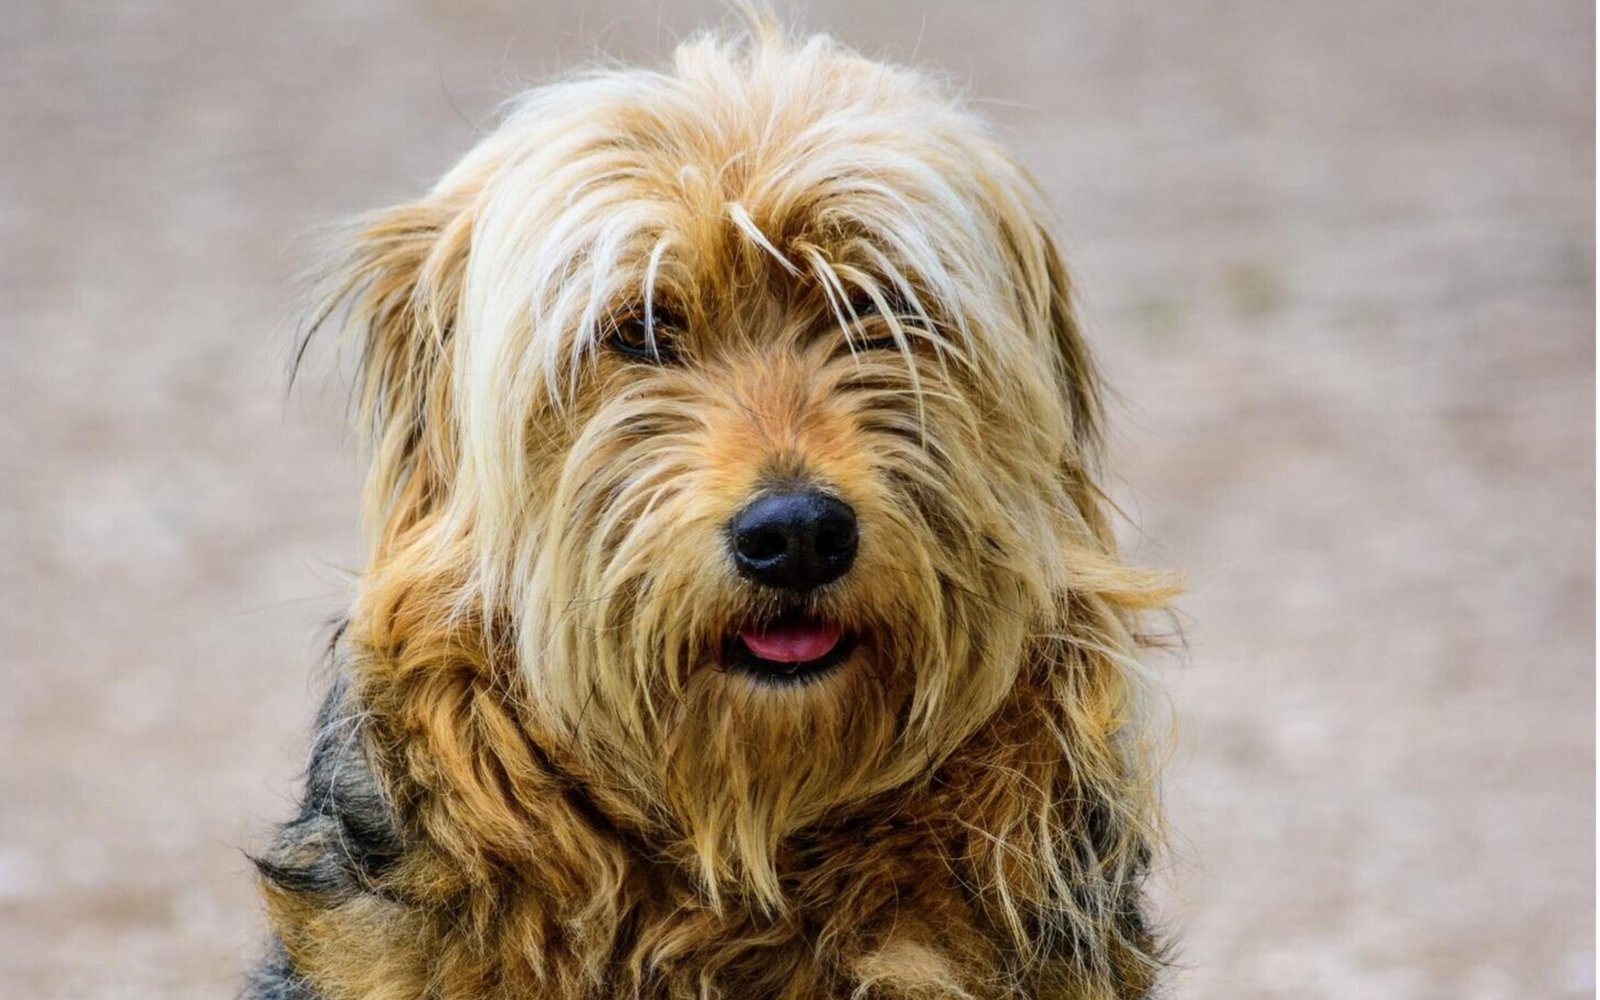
(345, 834)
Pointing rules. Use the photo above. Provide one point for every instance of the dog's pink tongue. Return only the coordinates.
(792, 643)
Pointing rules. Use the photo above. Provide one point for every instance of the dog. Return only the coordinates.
(743, 617)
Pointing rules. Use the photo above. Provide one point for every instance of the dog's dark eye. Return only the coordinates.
(866, 307)
(873, 335)
(883, 343)
(631, 336)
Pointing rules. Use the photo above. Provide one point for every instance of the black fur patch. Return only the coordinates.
(341, 842)
(345, 835)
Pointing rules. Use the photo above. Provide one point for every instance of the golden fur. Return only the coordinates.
(587, 804)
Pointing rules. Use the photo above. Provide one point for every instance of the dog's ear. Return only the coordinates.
(396, 283)
(1044, 293)
(1075, 367)
(1045, 297)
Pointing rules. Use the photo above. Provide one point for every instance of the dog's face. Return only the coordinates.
(747, 399)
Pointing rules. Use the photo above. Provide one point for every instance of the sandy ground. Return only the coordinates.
(1338, 257)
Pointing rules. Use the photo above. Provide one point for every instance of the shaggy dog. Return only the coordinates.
(743, 618)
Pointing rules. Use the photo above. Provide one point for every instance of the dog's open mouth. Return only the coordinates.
(791, 650)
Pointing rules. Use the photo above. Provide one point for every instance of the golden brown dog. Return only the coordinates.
(742, 619)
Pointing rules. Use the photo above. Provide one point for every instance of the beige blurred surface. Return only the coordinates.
(1337, 256)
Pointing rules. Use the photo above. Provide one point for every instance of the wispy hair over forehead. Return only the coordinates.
(790, 148)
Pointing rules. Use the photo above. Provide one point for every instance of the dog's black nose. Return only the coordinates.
(795, 541)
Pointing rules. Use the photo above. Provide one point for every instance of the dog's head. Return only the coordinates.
(744, 403)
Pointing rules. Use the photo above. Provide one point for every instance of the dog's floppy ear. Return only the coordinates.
(1075, 367)
(1045, 297)
(397, 284)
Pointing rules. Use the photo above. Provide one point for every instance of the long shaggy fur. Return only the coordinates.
(533, 776)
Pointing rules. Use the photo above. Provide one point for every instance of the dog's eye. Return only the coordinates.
(866, 307)
(883, 343)
(631, 336)
(872, 335)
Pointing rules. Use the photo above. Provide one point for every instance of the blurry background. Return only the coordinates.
(1337, 257)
